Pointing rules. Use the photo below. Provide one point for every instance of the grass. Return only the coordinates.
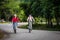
(42, 27)
(4, 22)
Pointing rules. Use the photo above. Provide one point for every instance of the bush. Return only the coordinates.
(42, 27)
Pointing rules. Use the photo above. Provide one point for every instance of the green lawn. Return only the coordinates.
(4, 22)
(42, 27)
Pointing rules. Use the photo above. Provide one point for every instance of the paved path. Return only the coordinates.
(22, 34)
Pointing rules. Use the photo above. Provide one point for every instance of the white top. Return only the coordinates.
(30, 18)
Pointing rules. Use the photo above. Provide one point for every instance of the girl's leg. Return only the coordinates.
(14, 30)
(14, 27)
(30, 27)
(29, 31)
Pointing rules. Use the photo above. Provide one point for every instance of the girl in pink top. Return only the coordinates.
(14, 21)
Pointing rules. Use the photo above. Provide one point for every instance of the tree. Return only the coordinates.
(3, 9)
(8, 8)
(57, 8)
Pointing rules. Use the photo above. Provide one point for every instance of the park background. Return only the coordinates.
(45, 12)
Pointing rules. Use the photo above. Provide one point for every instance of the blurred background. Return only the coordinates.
(44, 11)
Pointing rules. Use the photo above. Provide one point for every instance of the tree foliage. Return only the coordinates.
(48, 9)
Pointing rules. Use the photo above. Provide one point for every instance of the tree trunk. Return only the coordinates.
(50, 23)
(57, 20)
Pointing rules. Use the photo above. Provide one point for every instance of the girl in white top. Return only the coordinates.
(30, 20)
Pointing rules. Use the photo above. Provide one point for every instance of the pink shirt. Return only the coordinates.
(15, 19)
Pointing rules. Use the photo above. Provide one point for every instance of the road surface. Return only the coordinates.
(22, 34)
